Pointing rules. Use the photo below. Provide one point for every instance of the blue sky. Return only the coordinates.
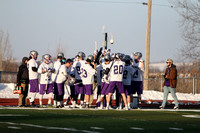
(42, 24)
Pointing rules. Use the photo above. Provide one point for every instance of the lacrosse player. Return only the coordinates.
(137, 79)
(105, 80)
(46, 84)
(76, 73)
(57, 65)
(99, 78)
(60, 81)
(127, 76)
(33, 76)
(69, 82)
(87, 75)
(116, 78)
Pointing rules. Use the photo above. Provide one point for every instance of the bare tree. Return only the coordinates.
(189, 11)
(59, 48)
(6, 58)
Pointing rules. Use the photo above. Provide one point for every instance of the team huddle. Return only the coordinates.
(116, 73)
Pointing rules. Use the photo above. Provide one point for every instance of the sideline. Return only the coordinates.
(93, 109)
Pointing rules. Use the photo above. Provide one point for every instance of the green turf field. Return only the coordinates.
(94, 121)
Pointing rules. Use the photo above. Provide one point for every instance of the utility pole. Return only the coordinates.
(147, 49)
(1, 67)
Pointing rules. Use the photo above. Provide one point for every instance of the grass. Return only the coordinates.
(107, 120)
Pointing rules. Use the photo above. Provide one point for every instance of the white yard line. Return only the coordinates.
(13, 115)
(177, 129)
(191, 116)
(14, 127)
(46, 127)
(97, 128)
(136, 128)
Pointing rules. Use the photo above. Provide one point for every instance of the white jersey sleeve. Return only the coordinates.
(32, 63)
(116, 72)
(56, 65)
(62, 74)
(87, 74)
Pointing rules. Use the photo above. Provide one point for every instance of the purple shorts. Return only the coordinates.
(105, 88)
(48, 90)
(137, 86)
(79, 87)
(88, 89)
(34, 86)
(59, 88)
(119, 86)
(128, 89)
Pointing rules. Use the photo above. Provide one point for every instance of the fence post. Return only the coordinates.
(193, 91)
(0, 76)
(161, 83)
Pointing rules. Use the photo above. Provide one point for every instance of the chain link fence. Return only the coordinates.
(8, 77)
(184, 85)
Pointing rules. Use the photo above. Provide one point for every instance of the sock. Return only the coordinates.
(58, 103)
(120, 105)
(32, 97)
(54, 103)
(40, 102)
(49, 102)
(129, 105)
(107, 105)
(74, 103)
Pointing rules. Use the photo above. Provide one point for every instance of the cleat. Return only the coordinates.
(32, 104)
(87, 106)
(176, 108)
(126, 108)
(59, 106)
(161, 107)
(107, 108)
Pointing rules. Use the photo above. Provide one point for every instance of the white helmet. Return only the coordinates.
(46, 58)
(81, 54)
(127, 59)
(60, 54)
(34, 54)
(138, 54)
(107, 57)
(90, 58)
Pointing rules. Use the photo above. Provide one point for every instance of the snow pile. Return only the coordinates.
(6, 91)
(156, 95)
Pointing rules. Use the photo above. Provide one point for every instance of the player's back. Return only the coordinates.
(76, 69)
(87, 74)
(116, 72)
(127, 74)
(138, 75)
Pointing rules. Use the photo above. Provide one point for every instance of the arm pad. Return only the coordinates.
(34, 69)
(107, 71)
